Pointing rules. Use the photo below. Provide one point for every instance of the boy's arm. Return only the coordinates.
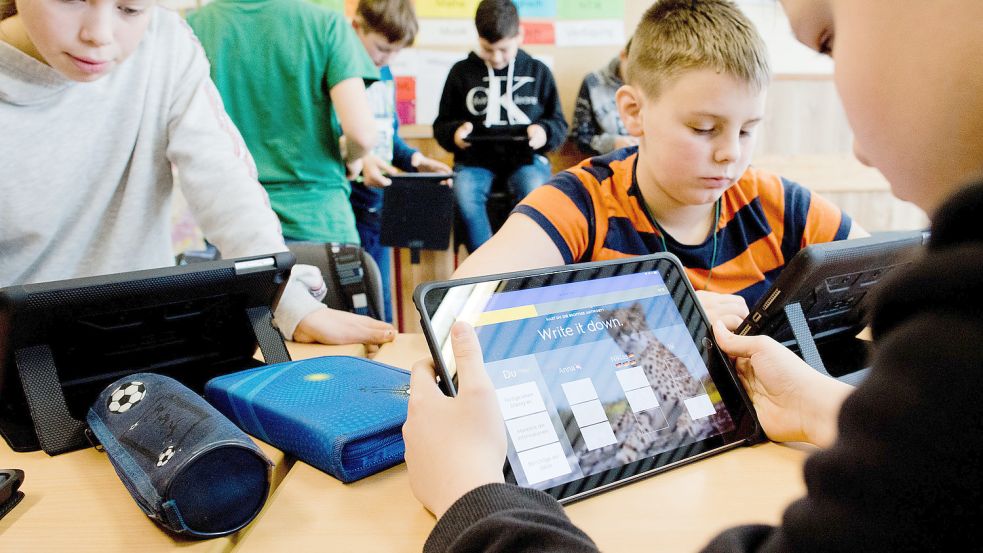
(520, 244)
(451, 112)
(552, 226)
(351, 104)
(507, 518)
(218, 177)
(552, 119)
(402, 152)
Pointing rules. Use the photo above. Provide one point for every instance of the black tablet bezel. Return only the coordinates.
(497, 139)
(417, 177)
(746, 428)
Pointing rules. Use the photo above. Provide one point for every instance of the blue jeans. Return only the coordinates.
(473, 184)
(367, 205)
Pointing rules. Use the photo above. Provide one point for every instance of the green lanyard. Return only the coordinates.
(662, 232)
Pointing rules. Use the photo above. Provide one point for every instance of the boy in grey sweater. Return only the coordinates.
(89, 140)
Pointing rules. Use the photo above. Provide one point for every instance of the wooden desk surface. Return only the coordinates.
(684, 507)
(76, 502)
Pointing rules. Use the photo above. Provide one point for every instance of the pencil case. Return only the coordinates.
(188, 467)
(343, 415)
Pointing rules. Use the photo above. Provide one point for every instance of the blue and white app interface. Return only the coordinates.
(590, 375)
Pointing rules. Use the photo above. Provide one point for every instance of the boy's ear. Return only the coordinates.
(629, 100)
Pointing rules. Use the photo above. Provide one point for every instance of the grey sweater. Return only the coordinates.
(596, 121)
(86, 168)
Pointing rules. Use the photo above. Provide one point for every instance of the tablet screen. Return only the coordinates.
(598, 380)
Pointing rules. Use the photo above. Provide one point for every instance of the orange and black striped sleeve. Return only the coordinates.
(564, 209)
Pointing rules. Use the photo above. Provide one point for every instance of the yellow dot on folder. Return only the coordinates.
(317, 377)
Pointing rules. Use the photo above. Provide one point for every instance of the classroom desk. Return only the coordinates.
(679, 510)
(75, 501)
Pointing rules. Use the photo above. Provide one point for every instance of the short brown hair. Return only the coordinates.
(7, 9)
(393, 19)
(680, 35)
(496, 19)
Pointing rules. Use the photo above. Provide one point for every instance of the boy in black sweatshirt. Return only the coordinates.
(898, 464)
(499, 89)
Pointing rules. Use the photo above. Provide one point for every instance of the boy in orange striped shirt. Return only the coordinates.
(694, 97)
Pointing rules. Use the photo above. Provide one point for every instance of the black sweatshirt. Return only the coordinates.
(906, 472)
(467, 95)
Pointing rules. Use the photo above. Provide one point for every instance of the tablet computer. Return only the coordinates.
(71, 338)
(508, 145)
(830, 285)
(605, 372)
(420, 177)
(497, 139)
(417, 212)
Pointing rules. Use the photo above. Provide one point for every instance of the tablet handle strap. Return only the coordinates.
(269, 338)
(58, 432)
(800, 330)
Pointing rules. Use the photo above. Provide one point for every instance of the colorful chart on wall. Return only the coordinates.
(544, 22)
(560, 29)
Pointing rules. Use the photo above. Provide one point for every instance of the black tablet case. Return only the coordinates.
(417, 214)
(67, 340)
(819, 303)
(507, 146)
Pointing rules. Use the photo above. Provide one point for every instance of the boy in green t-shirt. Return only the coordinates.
(284, 68)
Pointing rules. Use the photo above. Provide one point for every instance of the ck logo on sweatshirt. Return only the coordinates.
(491, 100)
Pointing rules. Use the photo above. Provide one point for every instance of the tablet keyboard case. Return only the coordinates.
(343, 415)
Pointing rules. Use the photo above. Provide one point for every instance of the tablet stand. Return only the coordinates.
(57, 430)
(847, 355)
(803, 337)
(267, 336)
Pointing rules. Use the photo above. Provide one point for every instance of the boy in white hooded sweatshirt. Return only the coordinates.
(98, 99)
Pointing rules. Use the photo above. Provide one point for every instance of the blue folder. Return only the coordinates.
(343, 415)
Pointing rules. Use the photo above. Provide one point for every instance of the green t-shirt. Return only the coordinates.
(274, 62)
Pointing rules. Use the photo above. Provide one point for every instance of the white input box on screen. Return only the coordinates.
(544, 462)
(642, 399)
(589, 412)
(632, 379)
(700, 407)
(579, 391)
(598, 435)
(531, 431)
(520, 400)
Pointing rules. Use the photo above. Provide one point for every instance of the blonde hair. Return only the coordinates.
(7, 9)
(675, 36)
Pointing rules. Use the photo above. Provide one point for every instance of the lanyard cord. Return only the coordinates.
(662, 232)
